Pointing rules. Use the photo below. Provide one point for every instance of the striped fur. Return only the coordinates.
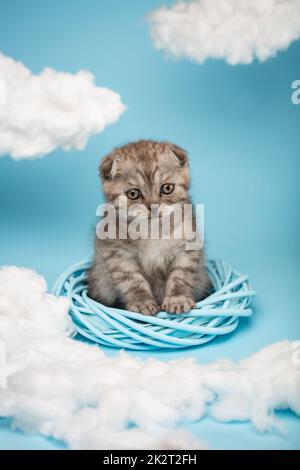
(147, 275)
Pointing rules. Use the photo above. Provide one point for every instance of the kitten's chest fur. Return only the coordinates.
(155, 258)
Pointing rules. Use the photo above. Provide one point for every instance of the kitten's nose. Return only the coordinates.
(153, 208)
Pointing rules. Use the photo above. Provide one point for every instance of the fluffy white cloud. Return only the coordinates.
(75, 392)
(235, 30)
(41, 113)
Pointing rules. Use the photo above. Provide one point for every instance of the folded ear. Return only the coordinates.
(109, 167)
(181, 154)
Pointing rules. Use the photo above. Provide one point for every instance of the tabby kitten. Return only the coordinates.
(149, 275)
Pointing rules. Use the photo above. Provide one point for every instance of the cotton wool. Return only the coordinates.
(237, 31)
(58, 386)
(52, 110)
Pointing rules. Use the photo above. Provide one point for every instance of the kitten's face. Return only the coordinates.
(145, 173)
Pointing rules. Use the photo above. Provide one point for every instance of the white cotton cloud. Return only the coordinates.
(51, 110)
(74, 392)
(235, 30)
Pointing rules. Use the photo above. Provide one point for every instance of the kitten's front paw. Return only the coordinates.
(146, 307)
(178, 304)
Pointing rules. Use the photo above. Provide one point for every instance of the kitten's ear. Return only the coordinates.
(109, 167)
(181, 154)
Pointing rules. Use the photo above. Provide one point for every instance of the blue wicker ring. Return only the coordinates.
(216, 315)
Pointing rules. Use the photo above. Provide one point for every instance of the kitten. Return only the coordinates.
(149, 275)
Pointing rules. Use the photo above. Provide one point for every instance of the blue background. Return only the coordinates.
(242, 133)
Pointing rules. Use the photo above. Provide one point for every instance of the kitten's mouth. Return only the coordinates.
(146, 217)
(155, 216)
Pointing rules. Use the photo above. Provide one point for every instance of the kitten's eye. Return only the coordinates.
(167, 188)
(133, 193)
